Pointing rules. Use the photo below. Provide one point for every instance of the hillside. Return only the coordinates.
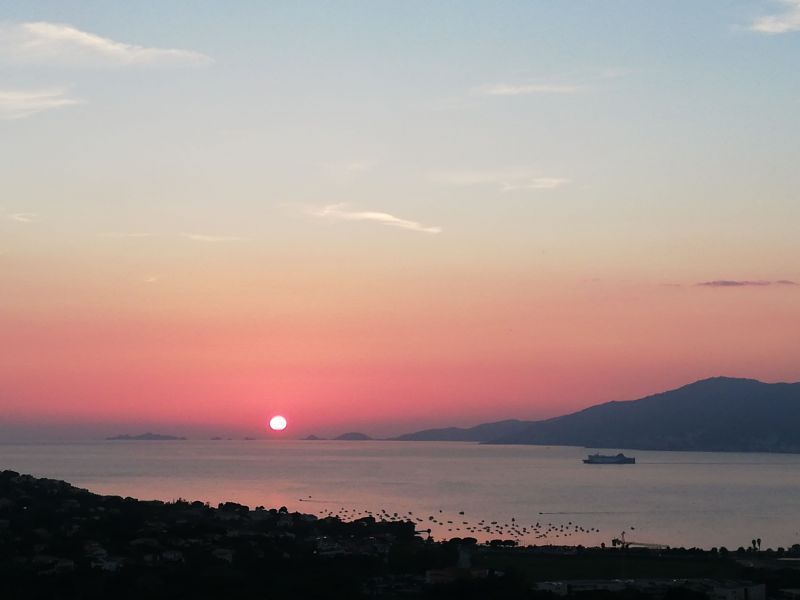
(353, 436)
(479, 433)
(146, 437)
(718, 414)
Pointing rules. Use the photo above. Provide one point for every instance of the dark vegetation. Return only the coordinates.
(62, 542)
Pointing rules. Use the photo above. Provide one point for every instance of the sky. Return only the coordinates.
(383, 216)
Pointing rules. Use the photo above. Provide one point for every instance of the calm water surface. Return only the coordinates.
(675, 498)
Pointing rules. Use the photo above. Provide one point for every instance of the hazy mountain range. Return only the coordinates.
(717, 414)
(480, 433)
(353, 436)
(147, 437)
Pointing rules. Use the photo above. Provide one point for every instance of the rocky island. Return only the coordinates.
(353, 436)
(146, 437)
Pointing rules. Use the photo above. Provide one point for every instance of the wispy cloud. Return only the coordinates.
(506, 180)
(730, 283)
(62, 44)
(196, 237)
(527, 89)
(19, 104)
(127, 234)
(23, 217)
(338, 212)
(347, 171)
(201, 237)
(784, 22)
(448, 104)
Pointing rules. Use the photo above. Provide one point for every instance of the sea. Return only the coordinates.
(535, 495)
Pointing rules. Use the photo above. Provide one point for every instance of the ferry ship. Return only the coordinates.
(603, 459)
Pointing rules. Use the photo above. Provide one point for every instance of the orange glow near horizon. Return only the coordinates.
(423, 215)
(367, 352)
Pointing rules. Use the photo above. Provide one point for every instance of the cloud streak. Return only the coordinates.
(60, 44)
(195, 237)
(788, 20)
(506, 180)
(527, 89)
(734, 283)
(201, 237)
(23, 217)
(337, 212)
(127, 234)
(20, 104)
(345, 172)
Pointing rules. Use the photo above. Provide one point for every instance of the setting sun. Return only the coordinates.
(277, 423)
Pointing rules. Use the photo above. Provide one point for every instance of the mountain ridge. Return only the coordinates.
(147, 437)
(714, 414)
(353, 436)
(477, 433)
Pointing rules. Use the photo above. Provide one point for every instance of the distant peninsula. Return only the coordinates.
(479, 433)
(353, 436)
(720, 414)
(147, 437)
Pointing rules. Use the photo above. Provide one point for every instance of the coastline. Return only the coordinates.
(528, 484)
(55, 534)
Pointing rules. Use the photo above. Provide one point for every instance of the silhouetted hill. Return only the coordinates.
(148, 437)
(479, 433)
(353, 436)
(312, 437)
(718, 414)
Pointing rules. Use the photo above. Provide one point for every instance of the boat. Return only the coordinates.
(604, 459)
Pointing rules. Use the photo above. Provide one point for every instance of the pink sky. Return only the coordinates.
(358, 351)
(389, 216)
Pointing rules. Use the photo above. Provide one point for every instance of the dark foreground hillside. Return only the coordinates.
(58, 542)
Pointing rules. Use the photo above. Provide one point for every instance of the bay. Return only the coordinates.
(672, 498)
